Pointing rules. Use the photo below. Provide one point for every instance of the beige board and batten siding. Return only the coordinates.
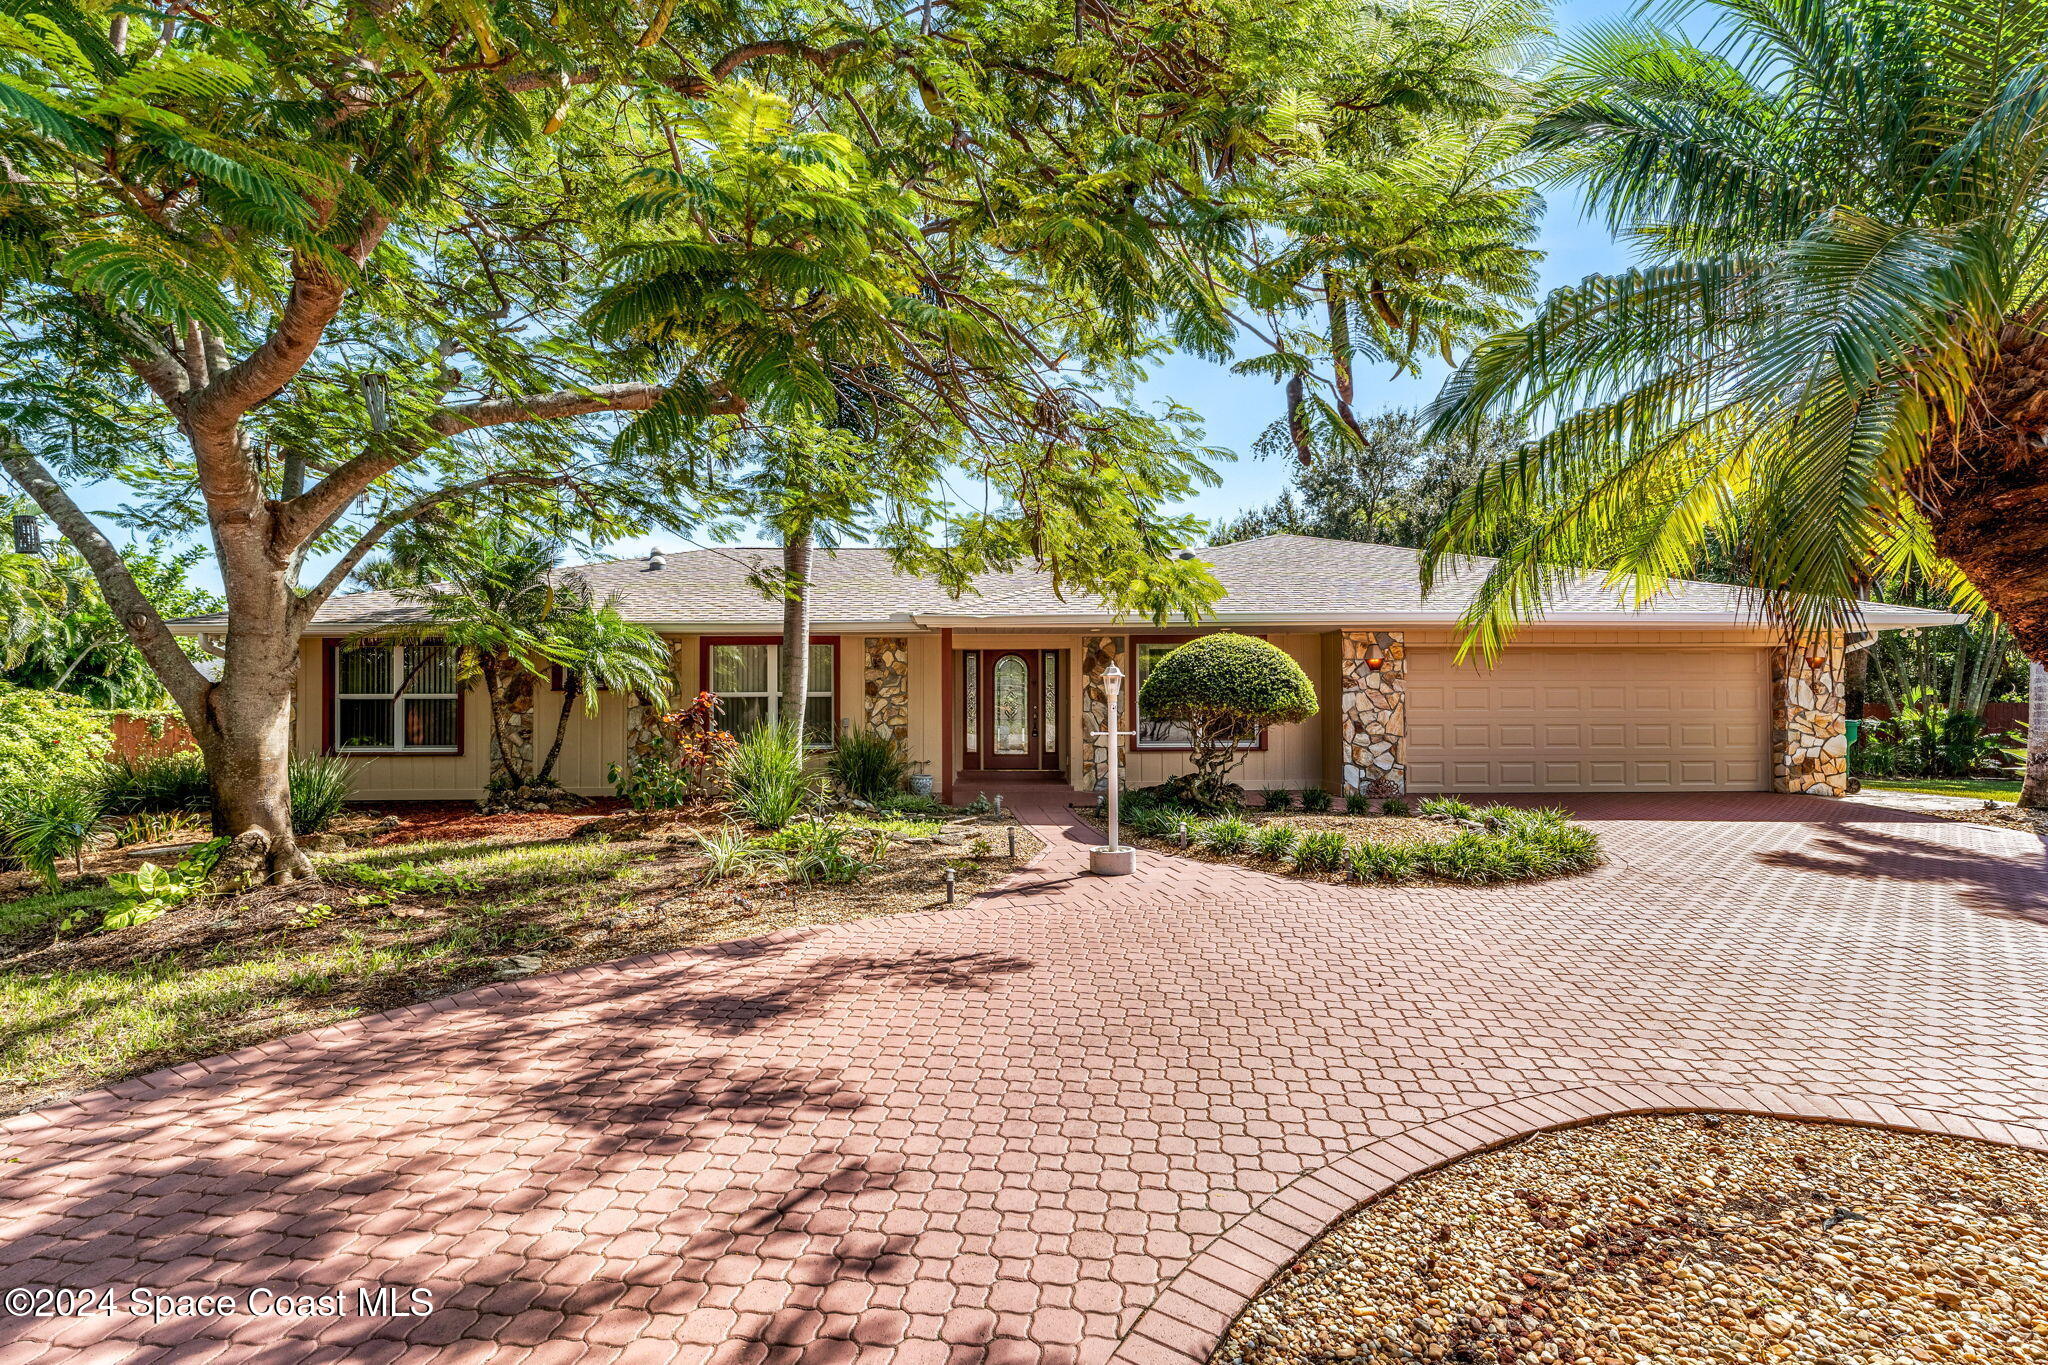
(1578, 713)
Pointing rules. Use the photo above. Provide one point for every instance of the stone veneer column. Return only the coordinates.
(1098, 652)
(885, 683)
(1375, 717)
(1809, 738)
(643, 720)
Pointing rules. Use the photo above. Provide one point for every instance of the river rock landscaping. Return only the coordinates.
(1703, 1237)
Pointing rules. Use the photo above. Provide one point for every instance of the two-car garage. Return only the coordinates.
(1563, 719)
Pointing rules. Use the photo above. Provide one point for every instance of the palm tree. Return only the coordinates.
(1835, 358)
(488, 591)
(607, 653)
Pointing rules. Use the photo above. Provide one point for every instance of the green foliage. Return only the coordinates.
(910, 803)
(1319, 850)
(770, 783)
(149, 891)
(44, 826)
(1315, 800)
(1277, 799)
(1393, 805)
(1449, 806)
(1357, 803)
(320, 787)
(1231, 834)
(1372, 861)
(157, 784)
(727, 851)
(1274, 841)
(1839, 207)
(866, 765)
(815, 852)
(1927, 739)
(71, 641)
(50, 740)
(1222, 690)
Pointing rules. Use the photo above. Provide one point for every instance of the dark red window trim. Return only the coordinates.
(705, 642)
(1131, 721)
(329, 647)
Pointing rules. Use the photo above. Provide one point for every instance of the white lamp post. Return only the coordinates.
(1113, 859)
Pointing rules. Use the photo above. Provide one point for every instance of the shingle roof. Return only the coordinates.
(1272, 576)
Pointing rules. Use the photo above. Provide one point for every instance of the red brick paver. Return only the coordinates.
(1075, 1121)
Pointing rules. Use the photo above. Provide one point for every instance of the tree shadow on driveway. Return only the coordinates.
(1988, 884)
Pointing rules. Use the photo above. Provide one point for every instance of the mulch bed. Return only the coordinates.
(460, 821)
(1680, 1238)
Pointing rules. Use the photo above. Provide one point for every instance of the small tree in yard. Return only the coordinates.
(1223, 690)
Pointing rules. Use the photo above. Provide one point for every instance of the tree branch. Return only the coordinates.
(312, 599)
(137, 614)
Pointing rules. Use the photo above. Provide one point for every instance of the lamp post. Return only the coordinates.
(1113, 859)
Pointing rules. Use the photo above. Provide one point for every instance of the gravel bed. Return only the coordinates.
(1652, 1240)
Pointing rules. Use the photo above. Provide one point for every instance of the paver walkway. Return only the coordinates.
(1073, 1122)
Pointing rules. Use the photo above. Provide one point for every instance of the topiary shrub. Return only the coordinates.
(1223, 689)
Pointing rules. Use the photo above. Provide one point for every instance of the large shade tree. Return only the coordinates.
(1833, 363)
(295, 273)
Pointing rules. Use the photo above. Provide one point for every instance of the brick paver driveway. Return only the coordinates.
(1077, 1121)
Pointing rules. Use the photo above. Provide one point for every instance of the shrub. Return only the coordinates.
(1276, 798)
(50, 739)
(1320, 850)
(770, 785)
(1357, 803)
(1152, 822)
(866, 765)
(1223, 690)
(45, 825)
(148, 891)
(821, 853)
(1231, 834)
(1372, 861)
(320, 787)
(1315, 800)
(1394, 805)
(1274, 841)
(158, 784)
(1450, 806)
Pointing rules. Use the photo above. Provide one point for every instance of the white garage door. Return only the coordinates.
(1570, 720)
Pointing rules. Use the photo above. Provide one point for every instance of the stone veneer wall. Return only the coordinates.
(1809, 738)
(643, 721)
(1375, 717)
(885, 683)
(1098, 652)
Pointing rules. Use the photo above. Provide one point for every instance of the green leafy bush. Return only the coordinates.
(1449, 805)
(1222, 690)
(1276, 798)
(911, 803)
(157, 784)
(1274, 841)
(147, 892)
(866, 765)
(770, 784)
(1357, 803)
(824, 853)
(49, 739)
(320, 786)
(1231, 834)
(1393, 805)
(1372, 861)
(1319, 850)
(1315, 800)
(46, 825)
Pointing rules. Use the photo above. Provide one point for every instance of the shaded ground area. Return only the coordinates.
(1705, 1237)
(999, 1133)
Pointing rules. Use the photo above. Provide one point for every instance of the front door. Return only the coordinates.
(1012, 719)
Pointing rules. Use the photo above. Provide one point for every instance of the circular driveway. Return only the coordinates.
(1074, 1120)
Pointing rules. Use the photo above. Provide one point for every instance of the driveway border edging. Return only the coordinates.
(1185, 1324)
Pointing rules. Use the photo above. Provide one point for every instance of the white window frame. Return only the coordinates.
(396, 701)
(774, 692)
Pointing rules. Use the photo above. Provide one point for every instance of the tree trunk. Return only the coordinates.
(2034, 786)
(572, 690)
(796, 626)
(245, 737)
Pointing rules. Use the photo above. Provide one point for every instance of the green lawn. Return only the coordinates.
(1990, 788)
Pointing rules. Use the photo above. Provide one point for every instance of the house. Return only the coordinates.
(1689, 693)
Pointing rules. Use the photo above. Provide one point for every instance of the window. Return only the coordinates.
(1161, 734)
(1051, 673)
(748, 681)
(396, 699)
